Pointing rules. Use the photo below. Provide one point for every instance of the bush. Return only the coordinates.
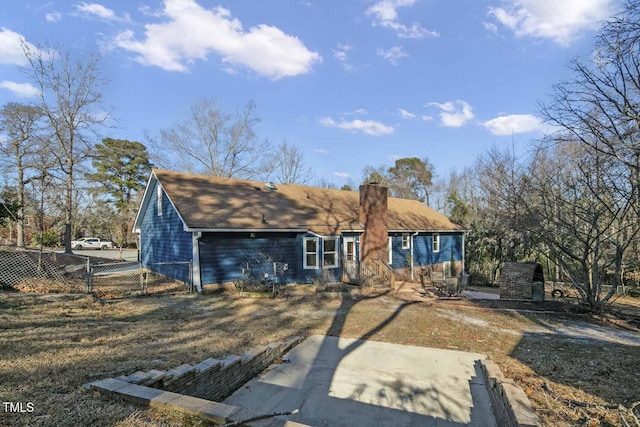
(49, 239)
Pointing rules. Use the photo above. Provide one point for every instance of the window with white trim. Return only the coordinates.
(390, 249)
(406, 240)
(310, 255)
(330, 252)
(436, 243)
(159, 200)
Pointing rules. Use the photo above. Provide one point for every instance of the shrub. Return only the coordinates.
(49, 239)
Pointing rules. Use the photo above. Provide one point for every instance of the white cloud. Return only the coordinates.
(356, 111)
(426, 118)
(321, 151)
(22, 90)
(190, 32)
(515, 123)
(454, 113)
(393, 54)
(368, 127)
(53, 16)
(341, 54)
(490, 27)
(406, 114)
(96, 9)
(10, 50)
(385, 14)
(560, 21)
(342, 174)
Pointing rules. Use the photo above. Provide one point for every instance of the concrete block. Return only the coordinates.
(229, 361)
(155, 376)
(138, 377)
(188, 405)
(207, 365)
(183, 369)
(492, 370)
(524, 414)
(161, 400)
(138, 395)
(222, 413)
(290, 342)
(108, 386)
(252, 354)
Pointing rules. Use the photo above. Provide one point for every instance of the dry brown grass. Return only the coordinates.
(53, 344)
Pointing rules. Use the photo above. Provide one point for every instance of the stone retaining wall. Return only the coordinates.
(213, 379)
(511, 406)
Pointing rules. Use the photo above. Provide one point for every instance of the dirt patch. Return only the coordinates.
(56, 343)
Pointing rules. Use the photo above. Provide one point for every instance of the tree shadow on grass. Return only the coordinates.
(579, 359)
(321, 383)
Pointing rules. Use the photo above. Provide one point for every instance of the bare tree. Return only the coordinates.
(599, 105)
(287, 165)
(579, 203)
(216, 143)
(22, 124)
(70, 99)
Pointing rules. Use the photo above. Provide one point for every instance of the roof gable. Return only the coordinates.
(215, 203)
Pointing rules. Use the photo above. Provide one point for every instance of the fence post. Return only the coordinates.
(88, 276)
(142, 287)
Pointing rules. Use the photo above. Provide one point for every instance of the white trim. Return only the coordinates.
(197, 280)
(408, 237)
(304, 253)
(345, 245)
(435, 237)
(335, 252)
(143, 205)
(390, 251)
(159, 192)
(249, 230)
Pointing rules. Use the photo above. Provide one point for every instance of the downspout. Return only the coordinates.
(412, 259)
(464, 267)
(197, 280)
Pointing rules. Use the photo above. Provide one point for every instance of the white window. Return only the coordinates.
(436, 243)
(390, 249)
(310, 256)
(159, 200)
(406, 240)
(330, 252)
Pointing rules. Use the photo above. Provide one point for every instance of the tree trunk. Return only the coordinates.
(68, 214)
(20, 219)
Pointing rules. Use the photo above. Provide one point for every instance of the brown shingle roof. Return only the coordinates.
(208, 203)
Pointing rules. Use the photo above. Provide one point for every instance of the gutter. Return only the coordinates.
(245, 230)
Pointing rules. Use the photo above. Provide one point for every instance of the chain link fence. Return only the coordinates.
(33, 270)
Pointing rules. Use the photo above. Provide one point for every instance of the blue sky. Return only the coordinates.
(351, 82)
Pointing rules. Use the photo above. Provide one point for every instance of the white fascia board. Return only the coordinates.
(429, 231)
(143, 204)
(246, 230)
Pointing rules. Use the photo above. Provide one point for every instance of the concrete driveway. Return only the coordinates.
(344, 382)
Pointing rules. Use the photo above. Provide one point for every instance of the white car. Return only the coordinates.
(90, 243)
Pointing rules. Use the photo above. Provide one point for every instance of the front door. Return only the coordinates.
(349, 261)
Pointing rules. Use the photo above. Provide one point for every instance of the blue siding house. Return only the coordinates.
(210, 230)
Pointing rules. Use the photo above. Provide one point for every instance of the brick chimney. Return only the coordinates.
(373, 216)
